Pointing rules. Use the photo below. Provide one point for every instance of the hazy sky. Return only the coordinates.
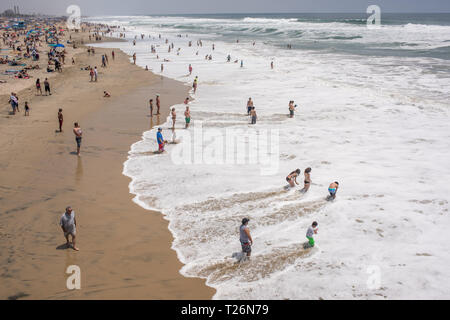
(130, 7)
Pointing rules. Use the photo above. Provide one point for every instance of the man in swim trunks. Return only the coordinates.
(312, 230)
(78, 136)
(160, 140)
(253, 115)
(245, 238)
(68, 225)
(187, 116)
(332, 189)
(249, 105)
(292, 178)
(307, 184)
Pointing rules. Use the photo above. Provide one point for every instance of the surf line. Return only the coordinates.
(193, 310)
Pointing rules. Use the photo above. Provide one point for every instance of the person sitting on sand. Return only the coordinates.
(332, 189)
(68, 225)
(292, 178)
(106, 94)
(307, 180)
(160, 140)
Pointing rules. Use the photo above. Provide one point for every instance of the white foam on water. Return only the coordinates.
(379, 126)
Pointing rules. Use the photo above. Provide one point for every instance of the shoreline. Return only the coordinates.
(125, 250)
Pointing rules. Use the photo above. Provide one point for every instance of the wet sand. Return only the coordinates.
(125, 251)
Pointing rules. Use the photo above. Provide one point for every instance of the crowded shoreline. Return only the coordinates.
(124, 250)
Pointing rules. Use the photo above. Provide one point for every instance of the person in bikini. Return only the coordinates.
(307, 174)
(292, 178)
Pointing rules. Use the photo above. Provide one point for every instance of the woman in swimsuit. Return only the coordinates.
(307, 180)
(293, 178)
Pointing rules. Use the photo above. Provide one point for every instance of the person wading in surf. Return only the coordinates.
(292, 178)
(245, 238)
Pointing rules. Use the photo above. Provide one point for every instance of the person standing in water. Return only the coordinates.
(253, 115)
(158, 104)
(151, 107)
(160, 140)
(187, 116)
(291, 109)
(78, 136)
(249, 105)
(312, 230)
(174, 117)
(245, 238)
(68, 225)
(195, 84)
(307, 174)
(190, 70)
(332, 189)
(292, 178)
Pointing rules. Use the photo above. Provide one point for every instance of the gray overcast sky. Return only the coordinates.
(130, 7)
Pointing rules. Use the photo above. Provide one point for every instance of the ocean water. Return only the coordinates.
(373, 114)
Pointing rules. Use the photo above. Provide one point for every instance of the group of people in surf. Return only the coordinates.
(292, 180)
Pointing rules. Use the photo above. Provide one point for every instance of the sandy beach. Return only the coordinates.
(125, 251)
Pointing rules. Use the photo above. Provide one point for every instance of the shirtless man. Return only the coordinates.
(249, 105)
(253, 115)
(186, 101)
(151, 107)
(307, 180)
(291, 109)
(78, 136)
(174, 117)
(245, 238)
(158, 104)
(187, 116)
(332, 189)
(60, 119)
(292, 177)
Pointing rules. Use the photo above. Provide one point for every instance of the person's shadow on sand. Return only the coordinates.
(64, 246)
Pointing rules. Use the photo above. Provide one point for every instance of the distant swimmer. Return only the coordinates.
(245, 238)
(312, 230)
(187, 116)
(249, 106)
(307, 184)
(332, 189)
(242, 63)
(160, 140)
(292, 178)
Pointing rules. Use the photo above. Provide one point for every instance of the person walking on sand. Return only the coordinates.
(307, 184)
(187, 117)
(38, 86)
(245, 238)
(332, 189)
(158, 104)
(292, 178)
(160, 140)
(312, 230)
(27, 109)
(68, 225)
(174, 117)
(95, 74)
(151, 107)
(78, 136)
(14, 103)
(113, 55)
(134, 58)
(91, 74)
(60, 119)
(47, 87)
